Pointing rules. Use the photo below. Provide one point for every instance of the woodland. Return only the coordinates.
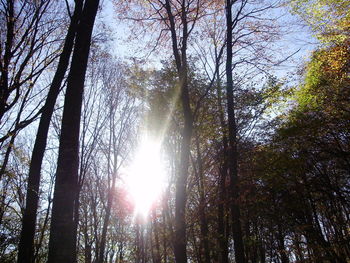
(185, 131)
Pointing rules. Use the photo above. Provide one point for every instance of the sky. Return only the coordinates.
(296, 38)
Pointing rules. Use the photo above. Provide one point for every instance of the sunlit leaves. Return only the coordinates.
(329, 19)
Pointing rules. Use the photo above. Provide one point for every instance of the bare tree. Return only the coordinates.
(25, 249)
(62, 241)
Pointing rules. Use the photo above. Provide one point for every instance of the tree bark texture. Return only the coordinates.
(232, 150)
(61, 244)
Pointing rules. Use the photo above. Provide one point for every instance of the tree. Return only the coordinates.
(28, 48)
(329, 20)
(120, 120)
(232, 152)
(62, 246)
(21, 48)
(25, 247)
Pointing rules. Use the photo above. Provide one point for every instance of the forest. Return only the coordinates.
(185, 131)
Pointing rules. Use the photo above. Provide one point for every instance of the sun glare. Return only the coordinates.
(146, 177)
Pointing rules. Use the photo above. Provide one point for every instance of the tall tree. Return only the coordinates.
(120, 119)
(180, 54)
(232, 152)
(61, 245)
(25, 247)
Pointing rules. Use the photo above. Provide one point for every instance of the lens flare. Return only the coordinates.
(146, 177)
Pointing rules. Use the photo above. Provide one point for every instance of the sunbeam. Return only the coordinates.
(146, 177)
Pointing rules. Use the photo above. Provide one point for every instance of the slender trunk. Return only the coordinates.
(4, 93)
(42, 234)
(142, 243)
(106, 223)
(6, 158)
(76, 219)
(181, 182)
(61, 243)
(315, 233)
(3, 195)
(254, 249)
(164, 235)
(222, 239)
(202, 215)
(158, 258)
(232, 151)
(180, 240)
(25, 247)
(138, 244)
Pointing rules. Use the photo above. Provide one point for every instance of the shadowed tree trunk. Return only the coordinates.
(101, 254)
(202, 204)
(181, 179)
(61, 244)
(222, 192)
(25, 247)
(232, 140)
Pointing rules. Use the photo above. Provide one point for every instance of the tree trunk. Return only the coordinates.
(180, 240)
(202, 215)
(222, 232)
(164, 235)
(106, 222)
(232, 151)
(25, 247)
(61, 243)
(4, 94)
(157, 256)
(181, 180)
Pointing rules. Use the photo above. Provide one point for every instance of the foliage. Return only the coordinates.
(329, 19)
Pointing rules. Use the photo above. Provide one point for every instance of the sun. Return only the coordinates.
(145, 177)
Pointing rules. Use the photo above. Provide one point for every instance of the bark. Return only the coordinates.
(202, 215)
(106, 222)
(4, 93)
(181, 182)
(61, 244)
(43, 230)
(232, 150)
(222, 232)
(25, 247)
(180, 241)
(164, 235)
